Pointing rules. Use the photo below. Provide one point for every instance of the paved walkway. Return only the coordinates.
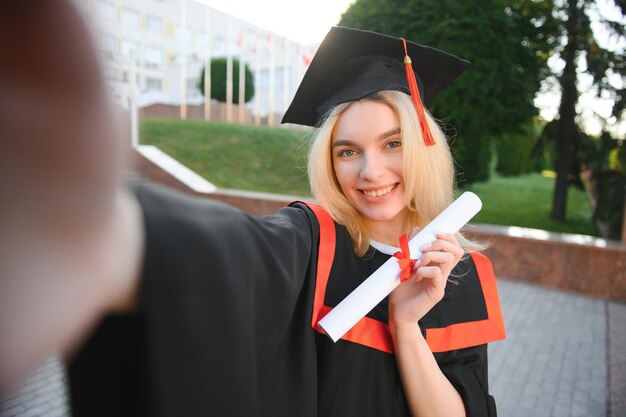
(553, 362)
(617, 359)
(564, 356)
(42, 394)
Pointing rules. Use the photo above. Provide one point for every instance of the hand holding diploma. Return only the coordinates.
(366, 296)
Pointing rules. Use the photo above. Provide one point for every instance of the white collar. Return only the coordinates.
(383, 247)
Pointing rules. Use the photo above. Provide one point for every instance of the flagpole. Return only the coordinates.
(207, 65)
(257, 81)
(134, 116)
(183, 67)
(286, 66)
(242, 80)
(270, 107)
(229, 73)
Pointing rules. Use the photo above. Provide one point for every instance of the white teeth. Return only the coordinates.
(379, 193)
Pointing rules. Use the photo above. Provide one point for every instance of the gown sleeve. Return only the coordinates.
(466, 369)
(221, 327)
(459, 327)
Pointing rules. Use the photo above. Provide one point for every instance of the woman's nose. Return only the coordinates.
(372, 166)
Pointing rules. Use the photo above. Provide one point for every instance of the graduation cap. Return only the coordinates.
(351, 64)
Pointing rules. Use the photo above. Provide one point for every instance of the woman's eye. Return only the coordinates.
(347, 152)
(394, 144)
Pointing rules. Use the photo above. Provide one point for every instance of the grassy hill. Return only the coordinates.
(261, 158)
(256, 158)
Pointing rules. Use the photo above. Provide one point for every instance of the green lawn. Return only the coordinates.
(256, 158)
(260, 158)
(526, 201)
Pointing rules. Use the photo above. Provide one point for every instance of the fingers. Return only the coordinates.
(428, 272)
(438, 259)
(432, 280)
(444, 243)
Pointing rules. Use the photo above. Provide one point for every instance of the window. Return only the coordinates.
(108, 45)
(130, 17)
(154, 84)
(202, 39)
(220, 46)
(109, 74)
(126, 77)
(105, 9)
(264, 81)
(279, 74)
(154, 24)
(183, 33)
(192, 88)
(130, 48)
(154, 56)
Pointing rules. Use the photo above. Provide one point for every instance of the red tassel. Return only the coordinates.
(415, 97)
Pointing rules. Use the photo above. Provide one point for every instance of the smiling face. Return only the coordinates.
(367, 159)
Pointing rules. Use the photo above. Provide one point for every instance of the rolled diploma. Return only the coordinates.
(378, 285)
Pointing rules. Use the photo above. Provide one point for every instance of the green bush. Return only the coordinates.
(513, 152)
(218, 80)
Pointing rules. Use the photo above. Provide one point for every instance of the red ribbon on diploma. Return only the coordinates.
(404, 258)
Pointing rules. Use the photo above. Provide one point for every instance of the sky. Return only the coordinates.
(304, 21)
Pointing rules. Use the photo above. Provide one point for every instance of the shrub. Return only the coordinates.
(218, 80)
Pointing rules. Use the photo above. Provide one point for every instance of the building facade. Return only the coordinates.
(165, 43)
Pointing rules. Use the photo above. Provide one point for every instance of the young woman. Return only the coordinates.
(372, 146)
(381, 167)
(212, 312)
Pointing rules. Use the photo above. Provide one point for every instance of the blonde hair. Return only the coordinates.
(428, 171)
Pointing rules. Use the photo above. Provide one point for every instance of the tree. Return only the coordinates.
(504, 45)
(579, 52)
(607, 185)
(218, 80)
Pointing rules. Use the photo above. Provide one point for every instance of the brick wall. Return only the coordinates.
(624, 220)
(576, 263)
(591, 266)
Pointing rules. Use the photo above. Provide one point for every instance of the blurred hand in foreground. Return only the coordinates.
(70, 234)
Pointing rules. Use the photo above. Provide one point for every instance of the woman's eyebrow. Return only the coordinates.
(392, 132)
(343, 142)
(384, 135)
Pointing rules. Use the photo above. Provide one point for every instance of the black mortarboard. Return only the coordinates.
(351, 64)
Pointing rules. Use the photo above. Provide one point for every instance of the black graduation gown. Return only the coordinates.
(358, 375)
(222, 328)
(226, 318)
